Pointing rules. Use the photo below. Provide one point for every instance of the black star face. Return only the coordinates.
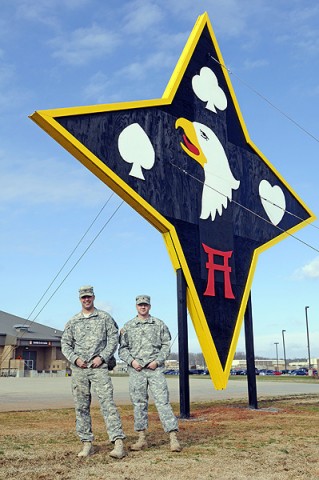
(186, 163)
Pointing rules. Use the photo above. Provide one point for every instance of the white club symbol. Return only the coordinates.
(206, 88)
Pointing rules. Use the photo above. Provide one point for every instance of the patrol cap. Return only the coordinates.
(86, 290)
(143, 299)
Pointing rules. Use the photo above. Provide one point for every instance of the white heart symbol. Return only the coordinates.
(273, 200)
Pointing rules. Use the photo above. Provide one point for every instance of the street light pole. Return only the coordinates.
(308, 343)
(277, 343)
(284, 347)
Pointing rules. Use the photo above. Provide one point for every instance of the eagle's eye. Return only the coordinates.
(203, 134)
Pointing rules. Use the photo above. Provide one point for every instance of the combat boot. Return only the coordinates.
(87, 449)
(174, 443)
(141, 442)
(118, 450)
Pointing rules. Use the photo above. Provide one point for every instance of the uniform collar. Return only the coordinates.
(149, 319)
(92, 314)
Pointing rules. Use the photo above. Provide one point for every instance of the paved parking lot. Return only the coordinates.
(41, 393)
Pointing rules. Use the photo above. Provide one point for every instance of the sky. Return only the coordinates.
(66, 53)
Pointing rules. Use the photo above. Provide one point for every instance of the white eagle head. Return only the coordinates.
(201, 144)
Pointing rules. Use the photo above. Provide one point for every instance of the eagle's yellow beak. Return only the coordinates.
(190, 143)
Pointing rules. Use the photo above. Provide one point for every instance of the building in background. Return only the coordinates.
(28, 348)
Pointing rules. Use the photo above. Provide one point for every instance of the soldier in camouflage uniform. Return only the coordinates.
(89, 341)
(144, 347)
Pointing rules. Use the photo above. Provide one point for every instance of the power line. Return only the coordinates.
(80, 258)
(251, 211)
(266, 100)
(70, 271)
(70, 255)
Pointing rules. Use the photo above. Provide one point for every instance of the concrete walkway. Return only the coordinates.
(40, 393)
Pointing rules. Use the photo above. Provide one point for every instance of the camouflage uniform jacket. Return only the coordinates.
(89, 337)
(144, 341)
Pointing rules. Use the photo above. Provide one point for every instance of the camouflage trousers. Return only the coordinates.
(140, 383)
(98, 379)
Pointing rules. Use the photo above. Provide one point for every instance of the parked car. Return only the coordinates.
(171, 372)
(198, 371)
(266, 372)
(300, 372)
(242, 371)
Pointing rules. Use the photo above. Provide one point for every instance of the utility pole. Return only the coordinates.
(284, 347)
(277, 343)
(308, 343)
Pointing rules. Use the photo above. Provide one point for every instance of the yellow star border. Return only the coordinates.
(46, 119)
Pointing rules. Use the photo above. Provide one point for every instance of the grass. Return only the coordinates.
(278, 378)
(221, 440)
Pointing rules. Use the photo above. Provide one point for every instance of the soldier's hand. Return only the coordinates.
(136, 366)
(96, 362)
(152, 365)
(80, 363)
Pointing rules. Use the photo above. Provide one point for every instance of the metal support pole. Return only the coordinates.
(308, 343)
(250, 356)
(184, 398)
(284, 347)
(277, 343)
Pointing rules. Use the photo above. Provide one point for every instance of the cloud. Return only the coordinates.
(48, 182)
(141, 16)
(175, 41)
(84, 44)
(44, 11)
(125, 83)
(38, 12)
(228, 17)
(310, 270)
(97, 88)
(104, 305)
(301, 17)
(154, 62)
(254, 64)
(309, 43)
(301, 31)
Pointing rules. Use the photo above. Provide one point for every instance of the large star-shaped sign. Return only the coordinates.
(186, 163)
